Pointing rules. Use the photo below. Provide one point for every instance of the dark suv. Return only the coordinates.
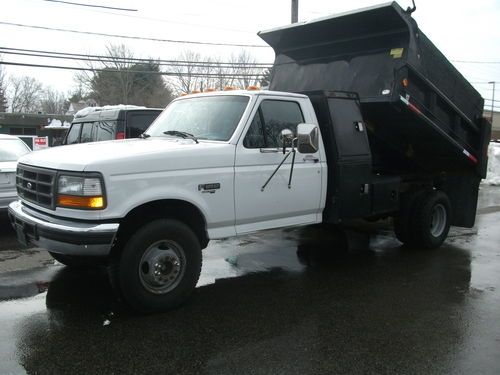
(104, 124)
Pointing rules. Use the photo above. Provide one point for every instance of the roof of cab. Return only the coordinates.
(242, 93)
(109, 113)
(6, 136)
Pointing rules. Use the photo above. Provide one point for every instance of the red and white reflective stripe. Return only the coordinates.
(470, 156)
(417, 111)
(414, 109)
(410, 105)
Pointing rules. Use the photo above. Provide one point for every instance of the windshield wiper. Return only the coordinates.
(178, 133)
(144, 135)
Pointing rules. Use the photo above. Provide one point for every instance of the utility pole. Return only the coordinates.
(492, 100)
(295, 11)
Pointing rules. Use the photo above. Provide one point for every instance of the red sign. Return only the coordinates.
(40, 142)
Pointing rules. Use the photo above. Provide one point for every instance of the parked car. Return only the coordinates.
(95, 124)
(11, 149)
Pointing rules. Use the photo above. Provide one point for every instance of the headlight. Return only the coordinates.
(80, 192)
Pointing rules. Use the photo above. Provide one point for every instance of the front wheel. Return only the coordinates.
(159, 266)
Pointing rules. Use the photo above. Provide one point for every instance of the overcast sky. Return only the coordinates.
(462, 30)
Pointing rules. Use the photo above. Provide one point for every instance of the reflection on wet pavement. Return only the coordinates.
(289, 301)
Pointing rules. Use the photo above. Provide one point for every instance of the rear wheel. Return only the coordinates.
(159, 266)
(432, 220)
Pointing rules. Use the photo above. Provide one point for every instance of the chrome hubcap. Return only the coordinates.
(438, 220)
(162, 266)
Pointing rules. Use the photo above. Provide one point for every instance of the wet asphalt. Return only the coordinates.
(311, 300)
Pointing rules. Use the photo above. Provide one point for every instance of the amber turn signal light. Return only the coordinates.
(72, 201)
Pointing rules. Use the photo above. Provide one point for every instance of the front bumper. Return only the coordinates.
(66, 237)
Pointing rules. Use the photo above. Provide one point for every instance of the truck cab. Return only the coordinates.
(211, 166)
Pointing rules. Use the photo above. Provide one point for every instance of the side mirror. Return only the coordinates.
(307, 138)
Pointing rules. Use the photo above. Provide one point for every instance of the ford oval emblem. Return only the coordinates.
(29, 185)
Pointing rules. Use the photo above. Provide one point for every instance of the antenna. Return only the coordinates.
(411, 10)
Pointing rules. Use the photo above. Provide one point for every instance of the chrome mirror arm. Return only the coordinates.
(292, 151)
(293, 163)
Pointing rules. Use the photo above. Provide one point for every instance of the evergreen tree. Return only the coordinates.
(266, 77)
(138, 84)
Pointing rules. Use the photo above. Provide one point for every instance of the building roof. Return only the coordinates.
(74, 107)
(30, 119)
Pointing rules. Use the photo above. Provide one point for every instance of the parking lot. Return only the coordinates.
(289, 301)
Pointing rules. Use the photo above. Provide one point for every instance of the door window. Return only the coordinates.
(87, 132)
(104, 130)
(271, 118)
(137, 123)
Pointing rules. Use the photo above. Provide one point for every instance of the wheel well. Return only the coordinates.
(183, 211)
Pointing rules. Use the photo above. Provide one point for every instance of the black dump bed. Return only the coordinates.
(421, 113)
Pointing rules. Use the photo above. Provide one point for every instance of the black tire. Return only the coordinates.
(165, 243)
(403, 226)
(77, 261)
(431, 220)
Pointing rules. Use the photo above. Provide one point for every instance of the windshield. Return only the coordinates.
(212, 117)
(12, 149)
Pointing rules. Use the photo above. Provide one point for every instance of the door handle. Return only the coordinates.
(310, 158)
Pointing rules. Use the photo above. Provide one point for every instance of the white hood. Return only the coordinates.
(130, 155)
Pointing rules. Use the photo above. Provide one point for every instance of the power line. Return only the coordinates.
(91, 5)
(495, 101)
(211, 26)
(475, 62)
(101, 58)
(143, 61)
(134, 37)
(176, 74)
(481, 83)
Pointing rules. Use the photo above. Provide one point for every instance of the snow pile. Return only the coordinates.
(58, 124)
(493, 176)
(85, 111)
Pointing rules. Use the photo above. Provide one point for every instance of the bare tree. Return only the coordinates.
(195, 72)
(24, 94)
(188, 74)
(224, 75)
(52, 102)
(244, 69)
(3, 97)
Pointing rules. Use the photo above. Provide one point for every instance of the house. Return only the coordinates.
(76, 106)
(495, 125)
(28, 126)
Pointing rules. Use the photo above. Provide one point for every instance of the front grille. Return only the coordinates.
(36, 185)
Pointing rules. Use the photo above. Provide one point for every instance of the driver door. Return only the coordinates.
(258, 154)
